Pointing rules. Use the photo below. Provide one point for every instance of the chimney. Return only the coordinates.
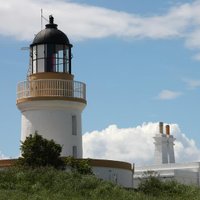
(167, 130)
(161, 127)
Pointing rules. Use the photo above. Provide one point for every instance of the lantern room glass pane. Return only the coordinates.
(40, 51)
(40, 64)
(34, 67)
(34, 52)
(59, 58)
(30, 60)
(66, 59)
(59, 50)
(51, 58)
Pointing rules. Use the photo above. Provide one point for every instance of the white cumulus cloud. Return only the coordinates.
(135, 145)
(168, 95)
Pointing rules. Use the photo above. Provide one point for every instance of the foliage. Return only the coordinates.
(150, 183)
(153, 186)
(81, 166)
(49, 183)
(40, 152)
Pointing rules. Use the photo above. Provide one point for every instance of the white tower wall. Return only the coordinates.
(161, 155)
(164, 146)
(171, 149)
(53, 120)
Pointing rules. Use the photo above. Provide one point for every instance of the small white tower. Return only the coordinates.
(164, 146)
(50, 101)
(170, 145)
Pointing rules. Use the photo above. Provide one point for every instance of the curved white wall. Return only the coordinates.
(123, 177)
(53, 120)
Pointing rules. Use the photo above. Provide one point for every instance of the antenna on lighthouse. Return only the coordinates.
(42, 18)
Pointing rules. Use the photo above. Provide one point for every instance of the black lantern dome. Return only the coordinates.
(50, 50)
(51, 35)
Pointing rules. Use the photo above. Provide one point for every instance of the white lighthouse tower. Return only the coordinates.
(50, 101)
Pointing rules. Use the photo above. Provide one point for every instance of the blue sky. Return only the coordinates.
(140, 61)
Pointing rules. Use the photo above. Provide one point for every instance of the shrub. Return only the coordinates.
(40, 152)
(154, 187)
(81, 166)
(151, 185)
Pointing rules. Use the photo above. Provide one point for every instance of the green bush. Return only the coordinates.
(153, 186)
(81, 166)
(40, 152)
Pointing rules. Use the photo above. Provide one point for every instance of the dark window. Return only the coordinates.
(74, 151)
(74, 125)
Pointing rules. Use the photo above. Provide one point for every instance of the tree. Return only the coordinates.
(40, 152)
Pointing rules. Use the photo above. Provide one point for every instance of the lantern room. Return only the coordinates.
(50, 51)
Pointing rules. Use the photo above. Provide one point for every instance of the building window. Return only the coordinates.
(74, 125)
(74, 151)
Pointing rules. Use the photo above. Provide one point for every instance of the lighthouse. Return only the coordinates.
(50, 100)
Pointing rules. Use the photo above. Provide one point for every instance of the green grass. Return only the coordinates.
(51, 184)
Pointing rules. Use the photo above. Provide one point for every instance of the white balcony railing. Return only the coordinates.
(51, 88)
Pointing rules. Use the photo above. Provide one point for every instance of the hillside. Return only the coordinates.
(51, 184)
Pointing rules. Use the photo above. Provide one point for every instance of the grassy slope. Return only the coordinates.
(50, 184)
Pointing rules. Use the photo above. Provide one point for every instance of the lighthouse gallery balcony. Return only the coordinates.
(51, 89)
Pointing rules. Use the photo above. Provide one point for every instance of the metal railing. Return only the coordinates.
(51, 88)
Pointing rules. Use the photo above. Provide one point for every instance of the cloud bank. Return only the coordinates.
(135, 144)
(83, 21)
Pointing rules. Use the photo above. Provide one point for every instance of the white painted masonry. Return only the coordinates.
(53, 120)
(122, 177)
(185, 173)
(164, 146)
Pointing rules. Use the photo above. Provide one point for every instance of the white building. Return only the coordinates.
(165, 166)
